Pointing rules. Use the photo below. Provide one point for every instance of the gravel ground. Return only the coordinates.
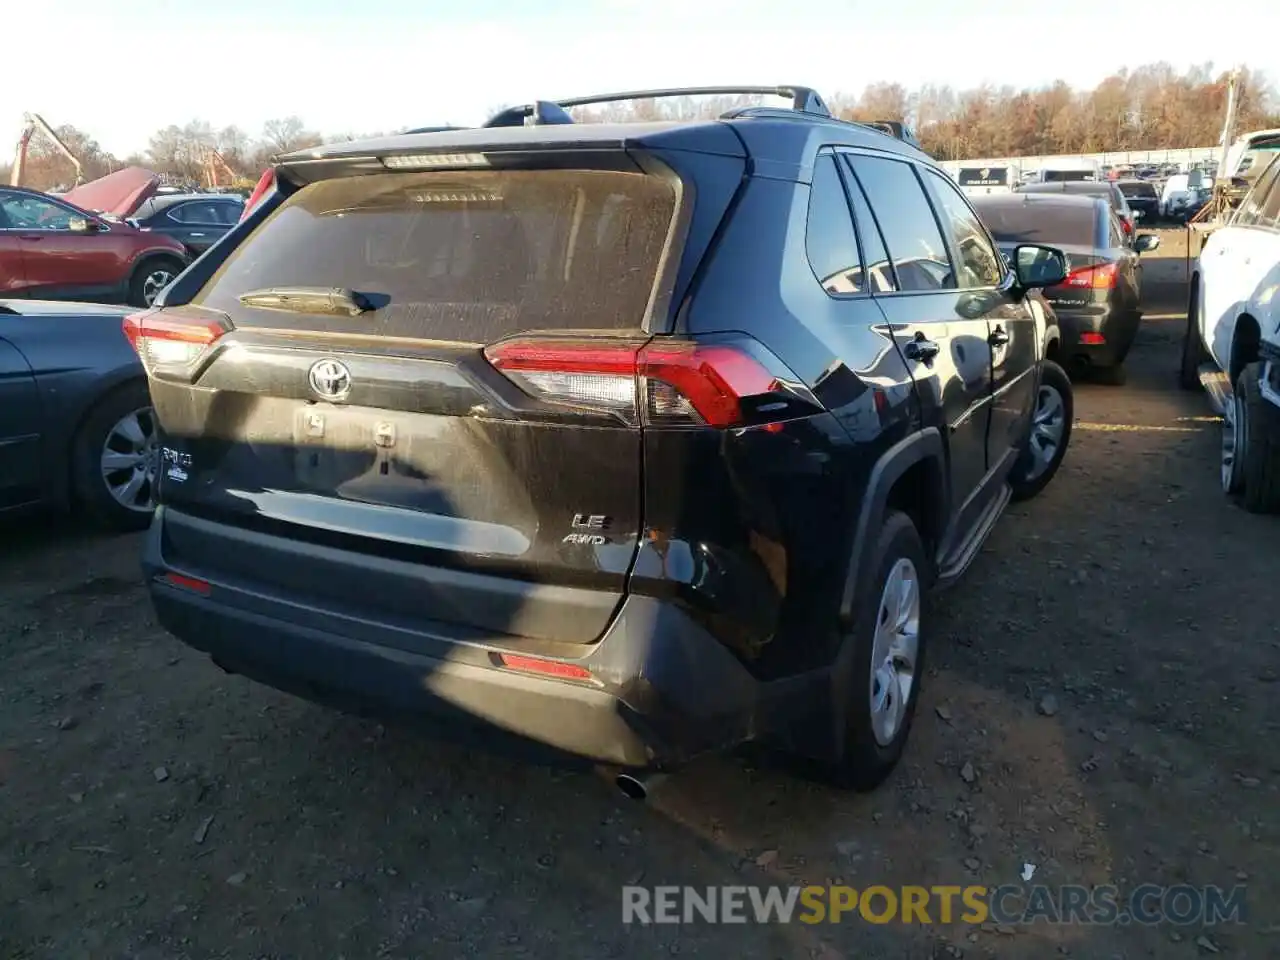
(152, 807)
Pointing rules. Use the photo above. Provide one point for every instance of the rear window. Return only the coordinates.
(1044, 223)
(983, 177)
(470, 256)
(1061, 176)
(1138, 190)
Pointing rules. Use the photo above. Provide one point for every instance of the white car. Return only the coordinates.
(1232, 341)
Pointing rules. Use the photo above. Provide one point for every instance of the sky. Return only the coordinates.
(123, 69)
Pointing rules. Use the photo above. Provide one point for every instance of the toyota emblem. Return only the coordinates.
(330, 379)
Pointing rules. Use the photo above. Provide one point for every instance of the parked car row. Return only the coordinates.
(113, 240)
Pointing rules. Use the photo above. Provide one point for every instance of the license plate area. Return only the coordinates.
(355, 452)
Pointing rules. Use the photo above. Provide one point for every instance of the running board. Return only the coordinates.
(1217, 387)
(954, 567)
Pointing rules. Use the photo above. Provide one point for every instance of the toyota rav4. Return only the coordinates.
(628, 441)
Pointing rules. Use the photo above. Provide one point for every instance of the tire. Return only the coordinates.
(1193, 351)
(155, 270)
(1260, 430)
(872, 746)
(1033, 471)
(91, 486)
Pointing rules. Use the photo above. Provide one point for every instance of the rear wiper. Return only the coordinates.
(309, 300)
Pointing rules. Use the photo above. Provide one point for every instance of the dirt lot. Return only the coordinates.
(151, 807)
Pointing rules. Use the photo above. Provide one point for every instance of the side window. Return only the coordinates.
(1115, 236)
(1252, 209)
(876, 257)
(829, 240)
(196, 213)
(24, 212)
(980, 264)
(1269, 213)
(229, 213)
(911, 233)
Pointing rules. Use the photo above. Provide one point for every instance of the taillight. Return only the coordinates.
(165, 340)
(1126, 226)
(1100, 277)
(266, 183)
(660, 381)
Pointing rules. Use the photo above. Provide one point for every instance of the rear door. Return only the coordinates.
(198, 223)
(946, 349)
(431, 424)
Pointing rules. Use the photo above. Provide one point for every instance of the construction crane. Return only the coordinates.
(31, 122)
(215, 165)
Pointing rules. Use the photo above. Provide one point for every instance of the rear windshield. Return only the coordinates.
(469, 256)
(1138, 190)
(1044, 223)
(983, 177)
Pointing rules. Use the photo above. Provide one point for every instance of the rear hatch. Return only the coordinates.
(386, 367)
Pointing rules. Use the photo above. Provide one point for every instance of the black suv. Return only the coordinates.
(630, 441)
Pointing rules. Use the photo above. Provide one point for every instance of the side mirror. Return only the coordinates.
(1036, 266)
(1136, 214)
(83, 225)
(1146, 242)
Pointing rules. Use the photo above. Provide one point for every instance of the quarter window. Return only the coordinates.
(830, 241)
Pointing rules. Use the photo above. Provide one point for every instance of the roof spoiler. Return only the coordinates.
(803, 99)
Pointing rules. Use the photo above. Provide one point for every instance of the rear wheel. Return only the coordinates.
(885, 658)
(152, 277)
(114, 458)
(1193, 351)
(1050, 433)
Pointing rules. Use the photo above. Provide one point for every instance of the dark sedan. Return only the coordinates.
(1099, 303)
(198, 220)
(75, 416)
(1105, 189)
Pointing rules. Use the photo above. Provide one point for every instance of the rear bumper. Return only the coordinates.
(663, 690)
(1117, 330)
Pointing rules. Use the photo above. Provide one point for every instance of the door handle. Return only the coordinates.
(998, 337)
(30, 236)
(921, 350)
(195, 234)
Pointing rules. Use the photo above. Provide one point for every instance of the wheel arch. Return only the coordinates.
(910, 476)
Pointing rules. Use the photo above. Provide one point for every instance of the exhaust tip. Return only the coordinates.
(633, 788)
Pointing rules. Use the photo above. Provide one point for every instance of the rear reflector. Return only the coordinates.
(1093, 339)
(184, 582)
(661, 381)
(550, 668)
(1100, 277)
(162, 340)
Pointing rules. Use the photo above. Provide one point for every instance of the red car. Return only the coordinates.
(53, 248)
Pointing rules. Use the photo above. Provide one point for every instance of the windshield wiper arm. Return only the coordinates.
(308, 300)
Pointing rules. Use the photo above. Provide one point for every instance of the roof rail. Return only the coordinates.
(803, 99)
(433, 129)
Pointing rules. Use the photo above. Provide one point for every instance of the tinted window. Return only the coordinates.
(1061, 176)
(24, 212)
(1040, 221)
(873, 250)
(980, 265)
(469, 256)
(906, 219)
(229, 212)
(829, 238)
(197, 212)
